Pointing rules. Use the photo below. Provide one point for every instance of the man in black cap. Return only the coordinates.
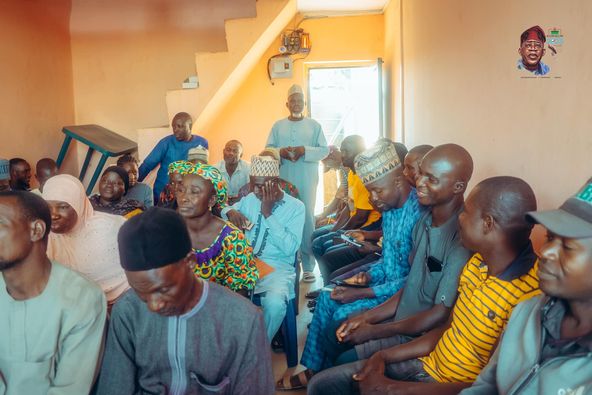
(176, 334)
(547, 343)
(532, 50)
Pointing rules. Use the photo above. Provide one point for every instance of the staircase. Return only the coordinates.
(220, 74)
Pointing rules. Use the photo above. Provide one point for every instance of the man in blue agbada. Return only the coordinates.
(302, 145)
(171, 149)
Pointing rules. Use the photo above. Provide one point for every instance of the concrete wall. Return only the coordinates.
(258, 104)
(461, 85)
(36, 78)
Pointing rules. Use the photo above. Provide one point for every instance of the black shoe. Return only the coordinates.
(277, 343)
(313, 294)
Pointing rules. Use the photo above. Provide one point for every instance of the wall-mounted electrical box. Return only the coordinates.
(281, 67)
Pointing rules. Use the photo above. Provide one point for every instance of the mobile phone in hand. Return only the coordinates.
(350, 240)
(344, 284)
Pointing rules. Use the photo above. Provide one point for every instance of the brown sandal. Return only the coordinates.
(295, 382)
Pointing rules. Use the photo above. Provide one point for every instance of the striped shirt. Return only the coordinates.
(480, 315)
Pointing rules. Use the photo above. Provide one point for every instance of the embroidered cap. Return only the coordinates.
(295, 89)
(376, 162)
(573, 219)
(199, 154)
(264, 166)
(4, 169)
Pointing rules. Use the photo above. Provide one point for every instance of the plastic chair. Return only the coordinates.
(289, 328)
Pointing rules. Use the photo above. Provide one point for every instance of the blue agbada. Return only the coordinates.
(387, 276)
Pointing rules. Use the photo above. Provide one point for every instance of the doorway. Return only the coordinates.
(346, 99)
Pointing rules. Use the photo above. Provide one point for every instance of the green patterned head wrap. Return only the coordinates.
(180, 166)
(212, 174)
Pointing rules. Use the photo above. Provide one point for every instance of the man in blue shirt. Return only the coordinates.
(272, 221)
(170, 149)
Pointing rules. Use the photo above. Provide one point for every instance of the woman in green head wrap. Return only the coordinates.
(222, 252)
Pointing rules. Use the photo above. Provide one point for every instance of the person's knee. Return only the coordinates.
(274, 304)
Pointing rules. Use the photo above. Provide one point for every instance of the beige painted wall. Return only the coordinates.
(127, 55)
(257, 104)
(392, 69)
(36, 78)
(461, 85)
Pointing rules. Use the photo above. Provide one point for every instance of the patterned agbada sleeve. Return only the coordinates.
(242, 272)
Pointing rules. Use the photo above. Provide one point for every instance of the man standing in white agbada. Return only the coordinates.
(302, 145)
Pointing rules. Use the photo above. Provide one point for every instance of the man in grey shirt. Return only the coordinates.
(176, 334)
(436, 261)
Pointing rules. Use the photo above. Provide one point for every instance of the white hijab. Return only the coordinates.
(90, 247)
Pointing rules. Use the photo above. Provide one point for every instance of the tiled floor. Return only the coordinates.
(304, 317)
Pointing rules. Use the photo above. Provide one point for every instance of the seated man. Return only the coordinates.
(360, 214)
(137, 190)
(344, 260)
(338, 182)
(547, 343)
(412, 160)
(436, 260)
(502, 274)
(170, 149)
(4, 175)
(381, 171)
(44, 170)
(234, 169)
(174, 333)
(273, 222)
(53, 319)
(20, 175)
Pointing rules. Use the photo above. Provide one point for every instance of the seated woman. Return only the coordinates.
(137, 190)
(114, 183)
(83, 239)
(222, 252)
(285, 186)
(167, 196)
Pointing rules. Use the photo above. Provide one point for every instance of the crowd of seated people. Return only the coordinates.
(424, 291)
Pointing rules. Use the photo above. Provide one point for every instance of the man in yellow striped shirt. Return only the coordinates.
(503, 273)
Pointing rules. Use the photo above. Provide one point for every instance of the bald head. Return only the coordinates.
(411, 162)
(444, 173)
(44, 170)
(507, 200)
(455, 159)
(182, 124)
(350, 147)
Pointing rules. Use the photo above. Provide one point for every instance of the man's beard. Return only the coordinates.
(6, 265)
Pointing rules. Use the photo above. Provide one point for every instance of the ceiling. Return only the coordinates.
(341, 6)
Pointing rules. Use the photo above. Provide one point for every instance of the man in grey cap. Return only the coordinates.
(547, 344)
(4, 175)
(302, 145)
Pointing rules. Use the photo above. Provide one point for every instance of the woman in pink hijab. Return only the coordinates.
(83, 239)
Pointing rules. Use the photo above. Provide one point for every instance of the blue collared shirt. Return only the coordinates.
(239, 178)
(542, 68)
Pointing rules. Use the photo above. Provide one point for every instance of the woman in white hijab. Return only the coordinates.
(83, 239)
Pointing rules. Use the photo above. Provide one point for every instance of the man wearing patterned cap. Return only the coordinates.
(302, 145)
(532, 49)
(273, 222)
(175, 334)
(4, 175)
(381, 171)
